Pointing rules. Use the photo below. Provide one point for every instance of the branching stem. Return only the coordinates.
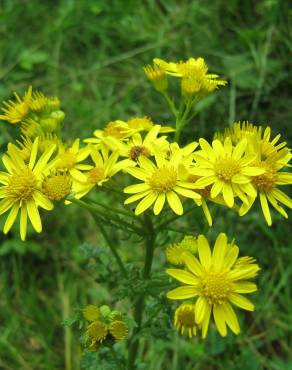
(140, 303)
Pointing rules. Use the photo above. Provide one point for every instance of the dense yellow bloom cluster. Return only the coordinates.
(35, 113)
(272, 157)
(195, 79)
(217, 279)
(237, 167)
(141, 161)
(103, 325)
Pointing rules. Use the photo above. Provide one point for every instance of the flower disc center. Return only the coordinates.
(67, 160)
(185, 316)
(113, 129)
(266, 181)
(95, 175)
(163, 179)
(57, 187)
(215, 287)
(226, 169)
(22, 185)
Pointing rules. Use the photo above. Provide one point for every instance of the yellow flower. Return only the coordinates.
(227, 169)
(258, 139)
(106, 166)
(68, 160)
(265, 147)
(140, 123)
(137, 146)
(33, 127)
(115, 129)
(96, 333)
(157, 76)
(194, 74)
(185, 319)
(24, 146)
(175, 252)
(190, 243)
(205, 198)
(30, 128)
(185, 152)
(53, 103)
(267, 185)
(21, 189)
(161, 182)
(145, 124)
(16, 111)
(218, 282)
(121, 130)
(118, 329)
(239, 131)
(57, 185)
(38, 102)
(91, 313)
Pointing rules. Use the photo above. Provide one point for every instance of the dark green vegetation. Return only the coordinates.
(90, 53)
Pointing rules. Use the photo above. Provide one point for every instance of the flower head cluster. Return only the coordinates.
(243, 163)
(121, 130)
(103, 326)
(195, 79)
(216, 280)
(272, 157)
(35, 113)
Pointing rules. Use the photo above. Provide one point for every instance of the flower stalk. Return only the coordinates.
(140, 303)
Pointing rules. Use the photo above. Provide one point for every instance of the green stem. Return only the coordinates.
(108, 240)
(110, 208)
(111, 246)
(181, 120)
(140, 303)
(95, 210)
(170, 103)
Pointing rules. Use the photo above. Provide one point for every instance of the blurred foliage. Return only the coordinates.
(90, 53)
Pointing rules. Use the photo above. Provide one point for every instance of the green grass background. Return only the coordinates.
(90, 53)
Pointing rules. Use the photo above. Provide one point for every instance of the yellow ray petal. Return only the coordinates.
(219, 317)
(231, 257)
(241, 302)
(34, 216)
(201, 309)
(231, 318)
(183, 276)
(11, 218)
(174, 202)
(136, 197)
(245, 287)
(137, 188)
(193, 264)
(145, 203)
(206, 319)
(23, 222)
(204, 251)
(265, 208)
(219, 250)
(228, 195)
(159, 203)
(183, 292)
(216, 188)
